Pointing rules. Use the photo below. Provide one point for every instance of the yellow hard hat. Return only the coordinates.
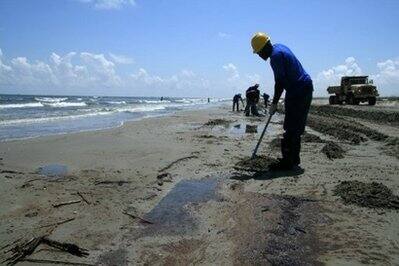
(259, 41)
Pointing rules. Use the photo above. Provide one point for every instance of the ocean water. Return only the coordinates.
(26, 116)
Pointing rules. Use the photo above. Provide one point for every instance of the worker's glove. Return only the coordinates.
(272, 109)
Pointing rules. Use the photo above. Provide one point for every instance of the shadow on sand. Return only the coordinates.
(268, 175)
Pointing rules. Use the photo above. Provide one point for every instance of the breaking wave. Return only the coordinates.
(20, 105)
(64, 104)
(50, 99)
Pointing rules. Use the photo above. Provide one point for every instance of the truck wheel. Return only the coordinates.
(331, 100)
(372, 101)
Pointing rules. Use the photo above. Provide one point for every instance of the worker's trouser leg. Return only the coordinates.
(235, 104)
(247, 108)
(296, 113)
(254, 109)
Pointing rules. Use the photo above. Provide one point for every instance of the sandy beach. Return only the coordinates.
(171, 191)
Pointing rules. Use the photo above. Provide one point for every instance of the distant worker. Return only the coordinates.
(209, 100)
(252, 97)
(266, 99)
(161, 98)
(291, 76)
(236, 100)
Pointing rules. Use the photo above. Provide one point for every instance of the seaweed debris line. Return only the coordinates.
(259, 164)
(371, 195)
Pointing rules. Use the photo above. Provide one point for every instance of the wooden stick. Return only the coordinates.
(12, 243)
(3, 171)
(58, 223)
(106, 182)
(83, 198)
(20, 252)
(177, 161)
(138, 217)
(66, 203)
(57, 262)
(67, 247)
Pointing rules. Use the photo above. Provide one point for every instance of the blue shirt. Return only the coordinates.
(288, 70)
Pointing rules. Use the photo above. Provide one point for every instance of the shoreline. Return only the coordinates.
(122, 123)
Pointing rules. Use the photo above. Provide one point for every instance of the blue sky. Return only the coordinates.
(189, 48)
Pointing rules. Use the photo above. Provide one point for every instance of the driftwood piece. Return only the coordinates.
(21, 251)
(58, 262)
(4, 171)
(10, 244)
(177, 161)
(142, 220)
(66, 203)
(26, 249)
(111, 182)
(83, 198)
(67, 247)
(58, 223)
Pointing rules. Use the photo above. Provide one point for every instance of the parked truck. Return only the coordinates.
(353, 90)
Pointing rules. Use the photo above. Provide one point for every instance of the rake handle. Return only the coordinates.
(261, 137)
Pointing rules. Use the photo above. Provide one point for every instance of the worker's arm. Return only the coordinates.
(278, 90)
(277, 64)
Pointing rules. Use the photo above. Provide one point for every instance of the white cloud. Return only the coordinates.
(121, 59)
(109, 4)
(333, 75)
(89, 73)
(232, 71)
(386, 78)
(185, 82)
(102, 70)
(224, 35)
(240, 82)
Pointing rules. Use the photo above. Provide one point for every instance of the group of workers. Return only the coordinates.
(289, 75)
(252, 96)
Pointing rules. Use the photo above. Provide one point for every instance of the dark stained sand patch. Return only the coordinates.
(275, 144)
(171, 216)
(375, 116)
(343, 129)
(308, 137)
(115, 257)
(338, 128)
(217, 122)
(391, 146)
(205, 136)
(258, 164)
(333, 151)
(371, 195)
(251, 129)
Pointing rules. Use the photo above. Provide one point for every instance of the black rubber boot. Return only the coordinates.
(285, 163)
(296, 150)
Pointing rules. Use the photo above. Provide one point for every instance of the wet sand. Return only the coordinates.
(167, 191)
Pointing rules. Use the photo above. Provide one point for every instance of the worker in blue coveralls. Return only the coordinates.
(289, 75)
